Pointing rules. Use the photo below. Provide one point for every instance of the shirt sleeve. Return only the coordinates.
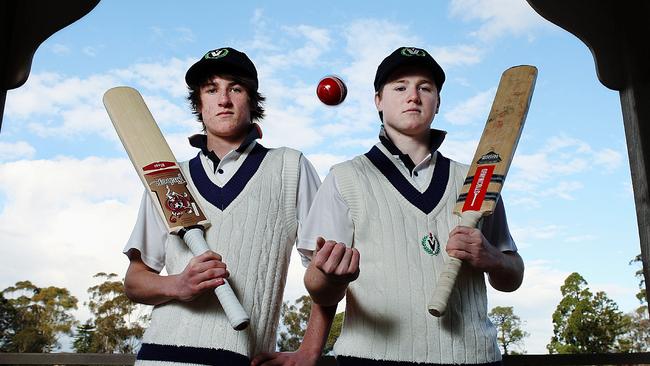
(329, 217)
(308, 184)
(148, 236)
(496, 231)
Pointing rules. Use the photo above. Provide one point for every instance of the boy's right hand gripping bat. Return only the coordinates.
(164, 180)
(490, 165)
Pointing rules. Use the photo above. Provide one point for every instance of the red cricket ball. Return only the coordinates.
(331, 90)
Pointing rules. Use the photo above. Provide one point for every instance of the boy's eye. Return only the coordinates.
(236, 89)
(400, 88)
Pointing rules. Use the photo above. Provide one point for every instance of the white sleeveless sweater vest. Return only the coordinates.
(254, 234)
(386, 314)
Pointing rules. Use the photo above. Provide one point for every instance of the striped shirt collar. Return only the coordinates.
(200, 141)
(437, 137)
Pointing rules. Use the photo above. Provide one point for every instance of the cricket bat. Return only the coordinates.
(164, 181)
(485, 178)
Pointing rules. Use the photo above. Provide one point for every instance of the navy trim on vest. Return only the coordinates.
(200, 141)
(195, 355)
(221, 197)
(394, 150)
(425, 201)
(356, 361)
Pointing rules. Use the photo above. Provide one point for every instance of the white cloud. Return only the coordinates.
(46, 94)
(172, 37)
(51, 104)
(498, 17)
(262, 41)
(295, 117)
(451, 56)
(289, 127)
(609, 159)
(537, 232)
(65, 219)
(471, 110)
(60, 49)
(534, 302)
(258, 17)
(77, 120)
(628, 188)
(169, 114)
(16, 150)
(166, 77)
(562, 190)
(89, 51)
(580, 238)
(62, 106)
(459, 150)
(562, 160)
(363, 143)
(316, 42)
(624, 296)
(323, 162)
(367, 49)
(556, 143)
(185, 34)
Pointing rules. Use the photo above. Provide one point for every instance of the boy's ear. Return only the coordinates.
(377, 101)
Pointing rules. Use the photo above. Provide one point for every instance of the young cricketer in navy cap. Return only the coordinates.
(255, 197)
(381, 227)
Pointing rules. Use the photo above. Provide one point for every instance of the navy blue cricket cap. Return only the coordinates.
(408, 56)
(221, 60)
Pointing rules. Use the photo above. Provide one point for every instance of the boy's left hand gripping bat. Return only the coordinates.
(164, 180)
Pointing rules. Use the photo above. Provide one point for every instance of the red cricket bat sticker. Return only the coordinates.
(477, 190)
(158, 165)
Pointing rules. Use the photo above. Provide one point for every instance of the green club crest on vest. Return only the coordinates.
(214, 54)
(413, 51)
(430, 244)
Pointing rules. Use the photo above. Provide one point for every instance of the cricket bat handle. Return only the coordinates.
(234, 311)
(447, 280)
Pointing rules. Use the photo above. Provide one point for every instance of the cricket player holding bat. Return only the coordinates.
(252, 197)
(382, 230)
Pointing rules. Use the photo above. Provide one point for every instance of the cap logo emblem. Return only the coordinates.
(214, 54)
(412, 51)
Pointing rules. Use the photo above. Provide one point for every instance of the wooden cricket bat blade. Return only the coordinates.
(165, 182)
(482, 187)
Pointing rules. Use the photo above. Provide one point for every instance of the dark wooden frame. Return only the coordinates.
(508, 360)
(617, 33)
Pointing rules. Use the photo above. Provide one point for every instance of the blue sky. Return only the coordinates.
(69, 196)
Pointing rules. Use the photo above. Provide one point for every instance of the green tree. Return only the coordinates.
(41, 315)
(335, 332)
(587, 323)
(8, 323)
(83, 338)
(118, 322)
(294, 319)
(639, 334)
(509, 332)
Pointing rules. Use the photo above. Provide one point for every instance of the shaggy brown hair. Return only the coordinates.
(256, 100)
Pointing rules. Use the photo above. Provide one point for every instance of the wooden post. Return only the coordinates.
(635, 103)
